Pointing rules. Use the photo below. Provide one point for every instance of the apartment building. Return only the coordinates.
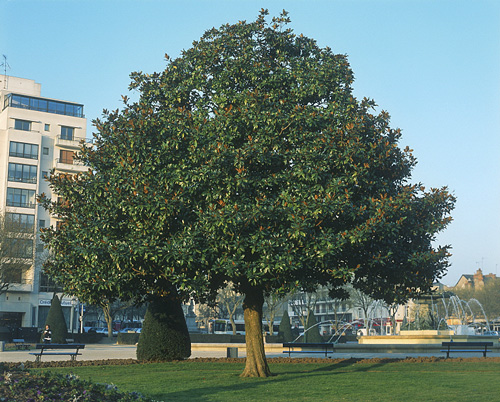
(37, 134)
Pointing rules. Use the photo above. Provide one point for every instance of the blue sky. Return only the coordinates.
(433, 65)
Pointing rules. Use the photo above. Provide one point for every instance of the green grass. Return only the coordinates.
(452, 380)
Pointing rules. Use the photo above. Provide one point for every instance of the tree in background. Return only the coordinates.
(231, 301)
(273, 303)
(364, 302)
(205, 313)
(110, 310)
(304, 303)
(55, 319)
(487, 295)
(249, 160)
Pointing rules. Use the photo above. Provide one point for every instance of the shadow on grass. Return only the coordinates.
(279, 381)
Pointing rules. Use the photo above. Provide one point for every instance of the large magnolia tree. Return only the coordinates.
(248, 160)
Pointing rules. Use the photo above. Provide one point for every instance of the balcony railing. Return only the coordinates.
(74, 142)
(26, 204)
(68, 164)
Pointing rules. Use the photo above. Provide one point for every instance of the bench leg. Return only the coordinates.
(73, 358)
(37, 359)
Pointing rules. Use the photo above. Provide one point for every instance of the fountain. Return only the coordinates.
(459, 320)
(448, 319)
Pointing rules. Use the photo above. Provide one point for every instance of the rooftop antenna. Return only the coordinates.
(5, 66)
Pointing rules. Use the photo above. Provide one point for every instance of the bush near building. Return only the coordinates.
(55, 319)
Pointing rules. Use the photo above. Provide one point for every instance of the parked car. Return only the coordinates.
(101, 330)
(491, 333)
(130, 330)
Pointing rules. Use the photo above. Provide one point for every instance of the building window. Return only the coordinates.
(43, 105)
(22, 173)
(48, 285)
(24, 125)
(67, 133)
(67, 157)
(41, 223)
(23, 223)
(20, 248)
(14, 273)
(23, 150)
(47, 127)
(45, 174)
(20, 197)
(45, 150)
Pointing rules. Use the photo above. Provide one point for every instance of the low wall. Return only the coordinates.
(422, 339)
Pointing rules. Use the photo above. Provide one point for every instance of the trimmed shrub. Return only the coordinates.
(55, 319)
(127, 339)
(164, 335)
(312, 336)
(87, 337)
(285, 328)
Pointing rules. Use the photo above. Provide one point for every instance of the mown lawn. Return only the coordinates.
(378, 380)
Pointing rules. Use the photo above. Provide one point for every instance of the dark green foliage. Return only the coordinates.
(164, 335)
(247, 160)
(55, 318)
(285, 328)
(312, 335)
(127, 339)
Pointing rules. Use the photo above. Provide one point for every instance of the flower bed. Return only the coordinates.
(22, 385)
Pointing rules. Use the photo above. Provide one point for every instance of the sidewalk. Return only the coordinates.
(114, 351)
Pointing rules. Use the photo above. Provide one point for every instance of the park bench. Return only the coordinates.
(20, 344)
(70, 349)
(308, 348)
(466, 347)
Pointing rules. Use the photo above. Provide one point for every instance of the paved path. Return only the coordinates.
(111, 351)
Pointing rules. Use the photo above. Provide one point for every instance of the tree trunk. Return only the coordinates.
(256, 363)
(106, 309)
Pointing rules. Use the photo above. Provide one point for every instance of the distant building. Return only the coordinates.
(37, 134)
(475, 281)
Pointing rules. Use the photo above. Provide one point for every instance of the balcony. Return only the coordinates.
(71, 143)
(69, 165)
(26, 287)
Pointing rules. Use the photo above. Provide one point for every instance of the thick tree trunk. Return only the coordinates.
(256, 363)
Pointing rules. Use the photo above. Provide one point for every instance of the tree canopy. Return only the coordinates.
(248, 160)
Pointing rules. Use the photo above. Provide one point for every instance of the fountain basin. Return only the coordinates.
(429, 339)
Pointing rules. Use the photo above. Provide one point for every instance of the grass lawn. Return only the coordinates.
(348, 380)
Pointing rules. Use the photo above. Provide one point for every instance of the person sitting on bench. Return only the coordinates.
(47, 334)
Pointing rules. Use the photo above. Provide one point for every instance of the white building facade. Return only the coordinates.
(37, 134)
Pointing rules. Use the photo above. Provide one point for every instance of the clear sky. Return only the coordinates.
(434, 65)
